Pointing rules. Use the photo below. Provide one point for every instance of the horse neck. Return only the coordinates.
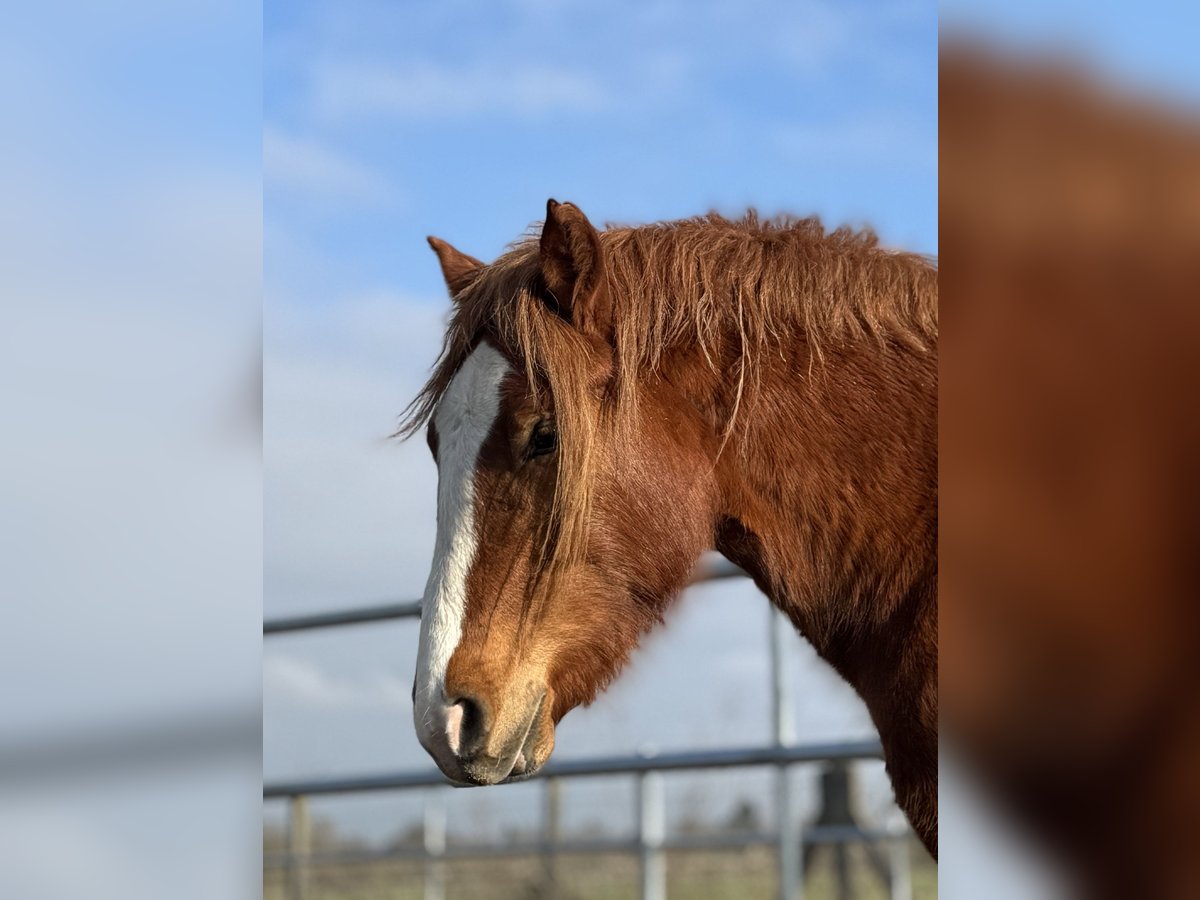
(824, 490)
(828, 499)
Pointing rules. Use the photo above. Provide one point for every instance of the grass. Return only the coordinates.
(691, 875)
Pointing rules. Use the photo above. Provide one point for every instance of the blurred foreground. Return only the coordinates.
(130, 466)
(1070, 372)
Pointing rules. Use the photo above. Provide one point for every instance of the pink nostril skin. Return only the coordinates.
(454, 720)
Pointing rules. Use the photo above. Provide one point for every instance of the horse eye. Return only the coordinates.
(543, 440)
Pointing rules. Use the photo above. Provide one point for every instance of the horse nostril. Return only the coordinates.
(467, 725)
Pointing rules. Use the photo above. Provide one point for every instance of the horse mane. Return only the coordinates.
(686, 281)
(689, 283)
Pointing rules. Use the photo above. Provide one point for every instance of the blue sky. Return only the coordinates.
(387, 122)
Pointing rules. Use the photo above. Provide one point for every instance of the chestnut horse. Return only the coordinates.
(610, 405)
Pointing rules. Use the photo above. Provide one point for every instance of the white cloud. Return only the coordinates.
(351, 89)
(306, 166)
(348, 512)
(290, 680)
(884, 140)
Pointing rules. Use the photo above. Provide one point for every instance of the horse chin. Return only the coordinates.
(537, 747)
(528, 761)
(519, 775)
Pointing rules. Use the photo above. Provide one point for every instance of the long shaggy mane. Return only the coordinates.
(695, 283)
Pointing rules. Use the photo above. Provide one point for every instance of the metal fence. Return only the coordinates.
(792, 844)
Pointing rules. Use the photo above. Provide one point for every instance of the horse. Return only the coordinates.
(611, 404)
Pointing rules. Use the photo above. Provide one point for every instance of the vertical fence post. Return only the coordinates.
(789, 849)
(299, 847)
(781, 700)
(551, 835)
(652, 828)
(791, 885)
(901, 874)
(435, 845)
(841, 866)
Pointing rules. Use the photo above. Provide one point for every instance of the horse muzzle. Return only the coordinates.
(476, 740)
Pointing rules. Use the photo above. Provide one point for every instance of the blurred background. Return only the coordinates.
(386, 123)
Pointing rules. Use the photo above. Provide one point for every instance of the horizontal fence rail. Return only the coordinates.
(352, 616)
(610, 765)
(134, 748)
(714, 570)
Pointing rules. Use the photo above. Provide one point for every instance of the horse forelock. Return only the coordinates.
(706, 286)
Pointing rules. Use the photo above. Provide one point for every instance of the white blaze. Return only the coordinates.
(463, 419)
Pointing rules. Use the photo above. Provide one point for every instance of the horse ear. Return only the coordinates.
(573, 270)
(458, 268)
